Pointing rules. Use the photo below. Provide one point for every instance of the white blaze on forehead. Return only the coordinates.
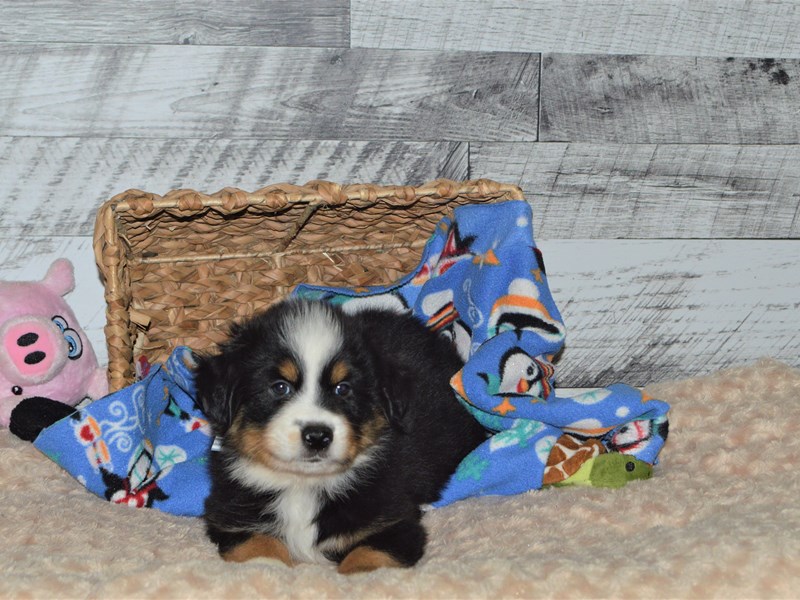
(314, 336)
(313, 333)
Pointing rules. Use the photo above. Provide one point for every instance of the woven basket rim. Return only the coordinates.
(317, 192)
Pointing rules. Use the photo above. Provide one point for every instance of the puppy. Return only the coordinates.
(332, 430)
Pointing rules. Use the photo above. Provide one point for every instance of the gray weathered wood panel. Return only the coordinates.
(640, 311)
(636, 311)
(664, 27)
(640, 99)
(666, 126)
(320, 23)
(52, 186)
(651, 191)
(268, 93)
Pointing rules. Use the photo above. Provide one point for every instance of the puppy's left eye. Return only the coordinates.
(281, 388)
(343, 389)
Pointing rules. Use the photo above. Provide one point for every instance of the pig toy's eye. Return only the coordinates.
(71, 336)
(75, 344)
(16, 390)
(61, 323)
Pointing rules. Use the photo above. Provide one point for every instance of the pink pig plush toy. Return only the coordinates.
(43, 351)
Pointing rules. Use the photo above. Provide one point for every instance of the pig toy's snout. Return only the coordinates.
(35, 349)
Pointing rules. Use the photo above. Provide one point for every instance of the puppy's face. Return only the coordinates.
(295, 392)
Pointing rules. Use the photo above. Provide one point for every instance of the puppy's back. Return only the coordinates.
(435, 432)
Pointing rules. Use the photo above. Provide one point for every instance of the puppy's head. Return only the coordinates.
(295, 391)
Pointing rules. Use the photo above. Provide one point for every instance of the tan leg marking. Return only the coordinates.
(363, 558)
(259, 546)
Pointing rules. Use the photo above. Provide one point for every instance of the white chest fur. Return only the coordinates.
(296, 509)
(296, 505)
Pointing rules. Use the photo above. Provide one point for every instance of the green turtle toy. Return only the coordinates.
(611, 470)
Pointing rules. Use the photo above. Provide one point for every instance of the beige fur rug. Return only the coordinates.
(720, 518)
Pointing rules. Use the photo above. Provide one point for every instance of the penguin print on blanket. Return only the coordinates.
(456, 249)
(441, 316)
(522, 310)
(520, 374)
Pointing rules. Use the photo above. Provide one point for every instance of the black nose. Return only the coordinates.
(317, 437)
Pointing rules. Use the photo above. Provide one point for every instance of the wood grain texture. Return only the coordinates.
(666, 126)
(266, 93)
(215, 22)
(52, 186)
(636, 311)
(665, 27)
(642, 311)
(641, 99)
(649, 190)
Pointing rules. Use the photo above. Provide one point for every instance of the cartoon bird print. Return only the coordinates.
(189, 422)
(460, 334)
(140, 488)
(444, 318)
(455, 250)
(521, 310)
(520, 375)
(636, 436)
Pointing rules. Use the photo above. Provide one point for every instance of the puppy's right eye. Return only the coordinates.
(343, 390)
(281, 388)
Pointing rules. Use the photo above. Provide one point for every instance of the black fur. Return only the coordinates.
(399, 373)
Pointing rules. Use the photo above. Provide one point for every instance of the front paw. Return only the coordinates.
(363, 559)
(399, 545)
(259, 546)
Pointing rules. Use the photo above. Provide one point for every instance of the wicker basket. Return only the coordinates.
(178, 268)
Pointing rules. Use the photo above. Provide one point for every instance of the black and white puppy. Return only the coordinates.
(333, 429)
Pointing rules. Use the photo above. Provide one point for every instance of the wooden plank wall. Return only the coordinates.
(658, 142)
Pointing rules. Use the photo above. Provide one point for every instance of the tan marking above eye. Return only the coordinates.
(339, 372)
(289, 371)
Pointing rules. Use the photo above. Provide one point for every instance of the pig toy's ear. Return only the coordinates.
(60, 277)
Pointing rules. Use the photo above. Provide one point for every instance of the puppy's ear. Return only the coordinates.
(215, 385)
(395, 391)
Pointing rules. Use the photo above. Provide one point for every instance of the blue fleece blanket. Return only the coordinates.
(146, 445)
(482, 283)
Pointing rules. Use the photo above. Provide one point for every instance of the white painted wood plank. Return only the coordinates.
(52, 186)
(218, 22)
(642, 311)
(266, 93)
(636, 311)
(642, 99)
(661, 27)
(651, 191)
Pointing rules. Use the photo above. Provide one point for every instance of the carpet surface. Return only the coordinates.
(720, 518)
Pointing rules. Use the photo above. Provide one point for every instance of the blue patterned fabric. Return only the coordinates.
(145, 445)
(482, 282)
